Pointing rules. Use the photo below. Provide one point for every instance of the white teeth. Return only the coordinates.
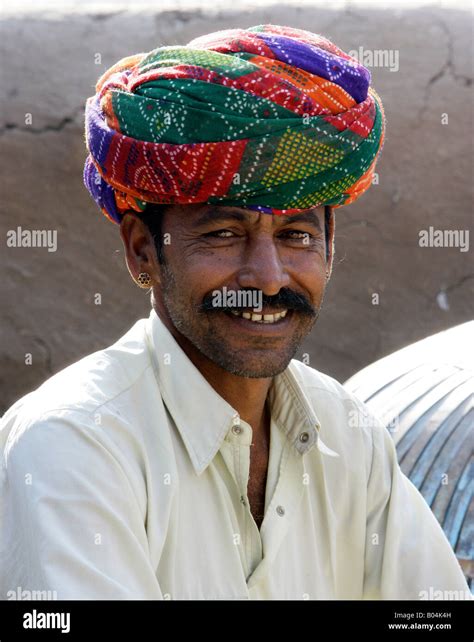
(259, 318)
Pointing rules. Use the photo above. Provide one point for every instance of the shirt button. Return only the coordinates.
(280, 510)
(236, 430)
(304, 436)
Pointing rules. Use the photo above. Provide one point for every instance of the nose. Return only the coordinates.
(262, 267)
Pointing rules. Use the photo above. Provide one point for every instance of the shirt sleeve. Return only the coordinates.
(408, 556)
(70, 521)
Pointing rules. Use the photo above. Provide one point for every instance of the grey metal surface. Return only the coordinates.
(424, 394)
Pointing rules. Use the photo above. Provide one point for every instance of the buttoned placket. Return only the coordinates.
(283, 504)
(235, 451)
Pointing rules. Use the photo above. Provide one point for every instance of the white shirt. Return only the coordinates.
(124, 476)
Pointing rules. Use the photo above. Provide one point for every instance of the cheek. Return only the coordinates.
(308, 273)
(305, 260)
(200, 273)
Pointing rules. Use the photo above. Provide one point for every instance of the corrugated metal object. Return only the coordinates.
(424, 394)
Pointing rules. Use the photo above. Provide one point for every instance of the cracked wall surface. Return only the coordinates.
(425, 179)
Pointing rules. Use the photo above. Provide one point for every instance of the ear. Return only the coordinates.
(139, 246)
(331, 229)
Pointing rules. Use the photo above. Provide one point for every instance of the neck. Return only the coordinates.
(248, 396)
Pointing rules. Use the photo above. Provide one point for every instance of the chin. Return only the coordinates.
(260, 369)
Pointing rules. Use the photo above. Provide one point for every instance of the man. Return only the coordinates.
(195, 458)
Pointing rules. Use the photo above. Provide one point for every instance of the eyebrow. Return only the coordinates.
(304, 217)
(213, 214)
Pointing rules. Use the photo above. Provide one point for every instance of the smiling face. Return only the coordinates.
(250, 258)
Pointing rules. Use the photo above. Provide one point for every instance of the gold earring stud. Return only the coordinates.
(143, 280)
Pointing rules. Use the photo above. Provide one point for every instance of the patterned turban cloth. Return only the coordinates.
(269, 118)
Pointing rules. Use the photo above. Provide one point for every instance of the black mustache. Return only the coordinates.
(286, 298)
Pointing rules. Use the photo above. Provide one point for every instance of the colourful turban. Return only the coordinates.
(268, 118)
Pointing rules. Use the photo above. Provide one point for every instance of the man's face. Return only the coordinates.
(223, 249)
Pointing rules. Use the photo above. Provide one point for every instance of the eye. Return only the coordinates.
(298, 234)
(221, 234)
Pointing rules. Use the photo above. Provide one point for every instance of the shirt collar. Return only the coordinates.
(205, 418)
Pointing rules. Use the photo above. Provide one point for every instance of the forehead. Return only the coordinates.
(195, 216)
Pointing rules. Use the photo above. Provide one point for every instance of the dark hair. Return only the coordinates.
(328, 212)
(153, 214)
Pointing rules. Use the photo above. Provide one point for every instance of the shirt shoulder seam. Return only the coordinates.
(80, 410)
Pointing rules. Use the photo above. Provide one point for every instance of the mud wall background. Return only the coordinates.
(50, 60)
